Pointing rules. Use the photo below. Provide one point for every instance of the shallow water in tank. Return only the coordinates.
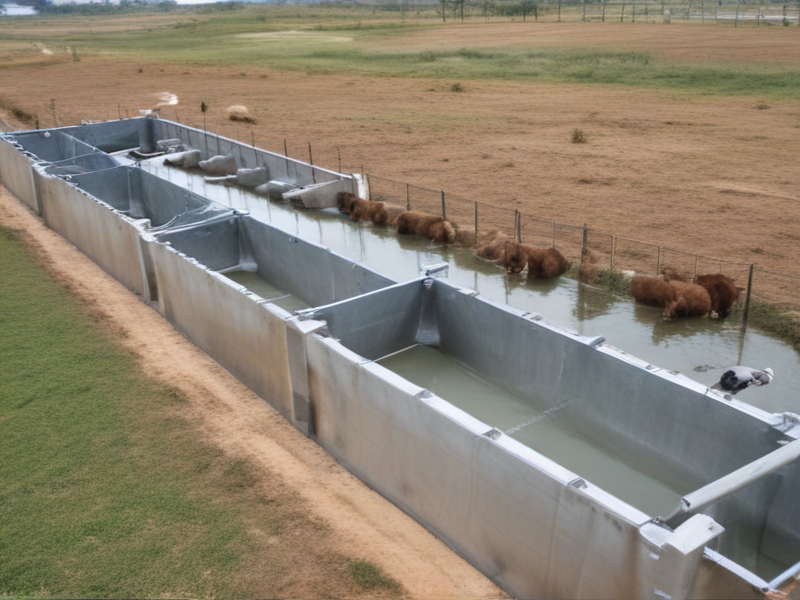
(274, 295)
(548, 432)
(699, 348)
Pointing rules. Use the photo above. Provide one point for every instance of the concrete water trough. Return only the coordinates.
(559, 465)
(649, 437)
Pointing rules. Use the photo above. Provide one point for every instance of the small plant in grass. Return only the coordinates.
(370, 576)
(456, 87)
(614, 281)
(782, 321)
(762, 106)
(578, 137)
(75, 56)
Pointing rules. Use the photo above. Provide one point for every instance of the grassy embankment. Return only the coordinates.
(106, 491)
(343, 41)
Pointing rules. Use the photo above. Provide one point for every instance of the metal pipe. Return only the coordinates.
(733, 482)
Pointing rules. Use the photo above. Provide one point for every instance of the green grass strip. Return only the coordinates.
(103, 492)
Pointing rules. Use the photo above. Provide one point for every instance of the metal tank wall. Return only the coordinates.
(104, 234)
(15, 172)
(244, 333)
(280, 167)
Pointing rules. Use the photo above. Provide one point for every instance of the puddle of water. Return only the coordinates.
(683, 345)
(546, 432)
(258, 285)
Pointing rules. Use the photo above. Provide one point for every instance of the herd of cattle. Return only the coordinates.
(712, 294)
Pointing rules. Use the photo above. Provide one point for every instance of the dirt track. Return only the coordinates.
(242, 425)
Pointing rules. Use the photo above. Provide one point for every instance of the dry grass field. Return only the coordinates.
(698, 165)
(714, 173)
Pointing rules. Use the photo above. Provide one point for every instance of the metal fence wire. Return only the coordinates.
(592, 250)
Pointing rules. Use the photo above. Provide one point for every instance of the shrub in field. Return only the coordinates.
(578, 137)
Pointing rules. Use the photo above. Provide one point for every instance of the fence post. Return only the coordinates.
(583, 14)
(736, 18)
(339, 153)
(696, 258)
(408, 197)
(658, 262)
(747, 298)
(517, 226)
(444, 207)
(584, 246)
(311, 162)
(286, 156)
(554, 234)
(613, 249)
(476, 222)
(604, 11)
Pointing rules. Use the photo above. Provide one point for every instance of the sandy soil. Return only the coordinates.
(363, 524)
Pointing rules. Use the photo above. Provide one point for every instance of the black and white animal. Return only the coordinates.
(736, 379)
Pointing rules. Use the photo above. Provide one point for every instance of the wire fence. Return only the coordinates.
(591, 250)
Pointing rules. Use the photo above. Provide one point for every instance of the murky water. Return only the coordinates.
(700, 348)
(547, 432)
(258, 285)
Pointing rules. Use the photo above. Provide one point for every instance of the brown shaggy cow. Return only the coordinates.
(363, 209)
(652, 291)
(691, 300)
(721, 290)
(516, 257)
(424, 225)
(386, 214)
(546, 263)
(464, 237)
(672, 274)
(345, 201)
(492, 246)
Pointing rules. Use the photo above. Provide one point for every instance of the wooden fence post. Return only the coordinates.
(613, 249)
(408, 197)
(311, 162)
(746, 313)
(518, 225)
(658, 262)
(476, 223)
(444, 207)
(584, 247)
(554, 234)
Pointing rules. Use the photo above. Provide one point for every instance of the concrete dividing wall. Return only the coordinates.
(630, 410)
(245, 335)
(111, 136)
(16, 174)
(280, 167)
(102, 233)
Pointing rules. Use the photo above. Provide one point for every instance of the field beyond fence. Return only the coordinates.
(594, 251)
